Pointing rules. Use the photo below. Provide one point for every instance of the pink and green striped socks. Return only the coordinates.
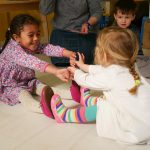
(76, 115)
(86, 98)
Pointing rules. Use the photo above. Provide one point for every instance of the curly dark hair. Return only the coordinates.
(17, 25)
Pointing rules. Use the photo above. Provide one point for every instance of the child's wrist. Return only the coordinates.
(67, 53)
(63, 52)
(89, 26)
(80, 65)
(51, 69)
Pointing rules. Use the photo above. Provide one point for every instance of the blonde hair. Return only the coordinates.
(118, 46)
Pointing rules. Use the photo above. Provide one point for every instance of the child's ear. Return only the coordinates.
(133, 17)
(115, 16)
(16, 38)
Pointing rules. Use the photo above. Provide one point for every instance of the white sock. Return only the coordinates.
(39, 88)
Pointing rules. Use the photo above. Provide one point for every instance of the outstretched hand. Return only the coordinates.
(73, 59)
(63, 74)
(72, 71)
(80, 60)
(79, 64)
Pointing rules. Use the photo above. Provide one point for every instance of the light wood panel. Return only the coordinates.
(10, 8)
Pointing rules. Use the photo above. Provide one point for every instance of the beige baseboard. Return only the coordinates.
(146, 52)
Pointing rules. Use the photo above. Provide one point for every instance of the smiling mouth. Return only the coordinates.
(35, 44)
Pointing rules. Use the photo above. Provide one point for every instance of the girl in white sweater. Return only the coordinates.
(123, 113)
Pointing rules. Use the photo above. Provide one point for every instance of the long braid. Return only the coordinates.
(135, 47)
(137, 80)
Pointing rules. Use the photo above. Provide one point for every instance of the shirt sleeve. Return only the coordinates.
(97, 80)
(51, 50)
(95, 8)
(20, 57)
(93, 69)
(46, 6)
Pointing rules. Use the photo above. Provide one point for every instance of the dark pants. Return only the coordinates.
(73, 41)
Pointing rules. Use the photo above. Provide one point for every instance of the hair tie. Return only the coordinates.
(137, 82)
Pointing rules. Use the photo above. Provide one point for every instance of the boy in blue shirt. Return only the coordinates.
(124, 14)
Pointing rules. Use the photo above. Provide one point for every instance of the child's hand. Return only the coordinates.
(72, 59)
(72, 71)
(84, 28)
(63, 74)
(80, 60)
(71, 55)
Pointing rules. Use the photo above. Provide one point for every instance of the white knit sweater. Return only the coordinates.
(121, 116)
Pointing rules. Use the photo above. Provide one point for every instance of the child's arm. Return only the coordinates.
(84, 67)
(80, 63)
(68, 54)
(71, 55)
(20, 57)
(62, 74)
(57, 51)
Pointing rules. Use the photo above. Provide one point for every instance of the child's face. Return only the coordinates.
(29, 37)
(123, 20)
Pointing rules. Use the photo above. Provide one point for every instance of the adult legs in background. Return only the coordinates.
(73, 41)
(78, 43)
(63, 114)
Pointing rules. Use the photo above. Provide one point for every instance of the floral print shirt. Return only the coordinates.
(17, 67)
